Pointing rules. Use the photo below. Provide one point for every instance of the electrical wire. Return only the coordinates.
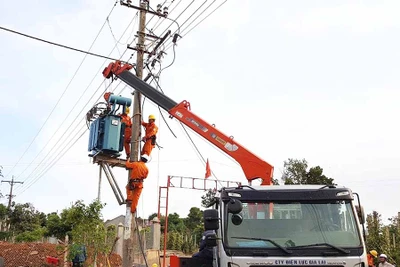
(199, 153)
(94, 77)
(191, 140)
(43, 173)
(61, 153)
(69, 127)
(169, 45)
(60, 139)
(186, 34)
(58, 44)
(159, 109)
(199, 15)
(148, 22)
(205, 18)
(173, 60)
(167, 18)
(62, 95)
(155, 26)
(190, 17)
(175, 20)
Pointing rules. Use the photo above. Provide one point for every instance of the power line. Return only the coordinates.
(174, 55)
(94, 77)
(159, 18)
(205, 18)
(61, 153)
(12, 182)
(183, 127)
(58, 44)
(65, 90)
(53, 164)
(169, 45)
(47, 155)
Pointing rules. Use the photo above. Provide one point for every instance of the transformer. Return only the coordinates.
(106, 130)
(106, 136)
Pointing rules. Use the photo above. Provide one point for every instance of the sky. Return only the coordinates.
(288, 79)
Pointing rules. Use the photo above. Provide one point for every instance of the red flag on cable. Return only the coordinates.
(208, 170)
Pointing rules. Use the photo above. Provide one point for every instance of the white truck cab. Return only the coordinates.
(288, 225)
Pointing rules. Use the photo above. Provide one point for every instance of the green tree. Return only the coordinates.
(175, 223)
(374, 228)
(31, 236)
(295, 172)
(152, 216)
(174, 241)
(56, 226)
(27, 224)
(394, 237)
(275, 181)
(88, 228)
(208, 199)
(3, 212)
(194, 218)
(24, 217)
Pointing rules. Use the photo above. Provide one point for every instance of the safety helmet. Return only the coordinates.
(154, 265)
(373, 253)
(152, 117)
(127, 110)
(144, 158)
(383, 256)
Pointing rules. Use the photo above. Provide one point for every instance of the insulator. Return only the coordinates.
(159, 8)
(165, 11)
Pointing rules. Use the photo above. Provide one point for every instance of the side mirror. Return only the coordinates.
(237, 219)
(234, 206)
(360, 214)
(211, 240)
(211, 220)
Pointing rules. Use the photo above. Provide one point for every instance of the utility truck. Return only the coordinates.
(289, 225)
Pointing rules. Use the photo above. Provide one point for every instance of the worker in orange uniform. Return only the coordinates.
(150, 136)
(134, 187)
(125, 119)
(371, 256)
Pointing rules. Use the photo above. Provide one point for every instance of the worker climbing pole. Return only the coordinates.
(150, 136)
(138, 172)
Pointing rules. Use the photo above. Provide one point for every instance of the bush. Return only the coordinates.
(5, 235)
(31, 236)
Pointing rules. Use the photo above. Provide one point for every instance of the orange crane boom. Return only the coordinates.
(252, 166)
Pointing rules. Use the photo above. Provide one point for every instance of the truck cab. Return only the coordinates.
(288, 225)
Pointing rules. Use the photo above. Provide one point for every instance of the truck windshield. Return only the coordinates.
(294, 224)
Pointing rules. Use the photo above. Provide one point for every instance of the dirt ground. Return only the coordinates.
(34, 255)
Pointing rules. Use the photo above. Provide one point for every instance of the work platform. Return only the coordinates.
(106, 162)
(111, 161)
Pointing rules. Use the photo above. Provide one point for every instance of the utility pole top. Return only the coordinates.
(12, 182)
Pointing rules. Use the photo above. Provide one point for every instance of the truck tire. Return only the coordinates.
(2, 262)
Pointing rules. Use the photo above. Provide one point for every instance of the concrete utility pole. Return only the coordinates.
(99, 186)
(130, 236)
(10, 196)
(4, 226)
